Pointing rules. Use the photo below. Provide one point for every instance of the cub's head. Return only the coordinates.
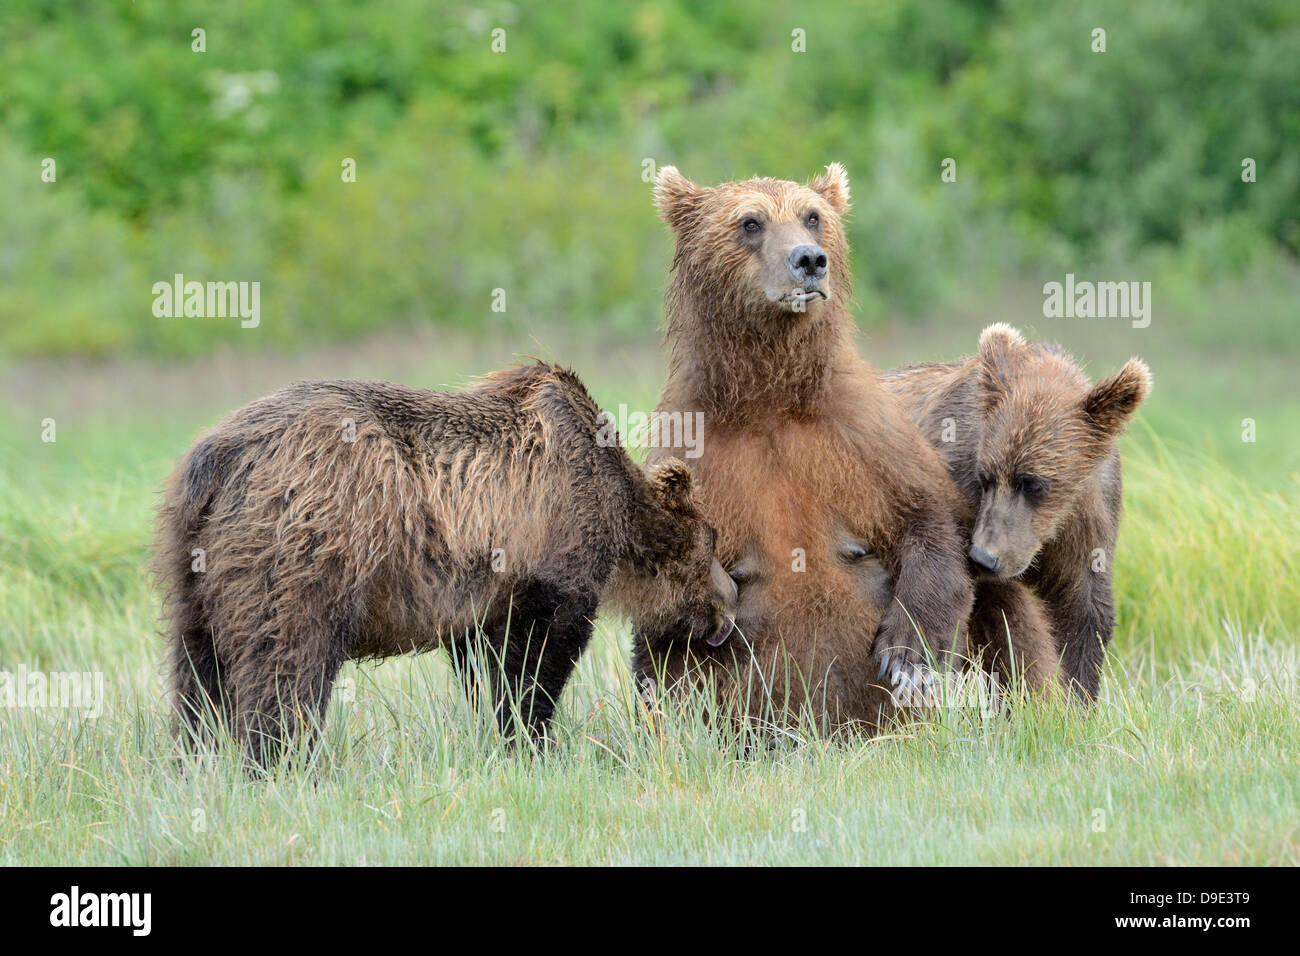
(1045, 433)
(674, 582)
(766, 248)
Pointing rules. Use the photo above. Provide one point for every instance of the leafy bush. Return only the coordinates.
(523, 170)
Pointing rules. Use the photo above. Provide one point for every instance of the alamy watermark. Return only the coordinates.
(208, 300)
(684, 430)
(1099, 300)
(75, 908)
(972, 690)
(59, 690)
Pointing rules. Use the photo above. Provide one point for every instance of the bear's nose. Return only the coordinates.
(983, 559)
(807, 262)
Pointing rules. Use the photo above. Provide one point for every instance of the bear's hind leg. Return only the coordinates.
(199, 704)
(280, 690)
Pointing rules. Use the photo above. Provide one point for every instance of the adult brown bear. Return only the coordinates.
(838, 522)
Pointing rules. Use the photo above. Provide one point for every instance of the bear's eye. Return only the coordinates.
(1032, 487)
(813, 220)
(751, 225)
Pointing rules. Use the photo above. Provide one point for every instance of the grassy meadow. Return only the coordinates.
(1190, 758)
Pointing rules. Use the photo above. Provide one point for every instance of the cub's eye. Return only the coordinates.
(855, 552)
(751, 225)
(1031, 486)
(813, 219)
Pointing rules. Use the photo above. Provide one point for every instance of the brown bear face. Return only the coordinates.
(678, 583)
(1045, 432)
(775, 248)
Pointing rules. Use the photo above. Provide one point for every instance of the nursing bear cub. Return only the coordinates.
(1032, 446)
(836, 519)
(343, 520)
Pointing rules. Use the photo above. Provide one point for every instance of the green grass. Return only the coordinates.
(1179, 771)
(1189, 759)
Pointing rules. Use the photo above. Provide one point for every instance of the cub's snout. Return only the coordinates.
(725, 597)
(983, 560)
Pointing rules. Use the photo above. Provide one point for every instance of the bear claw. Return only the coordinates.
(905, 678)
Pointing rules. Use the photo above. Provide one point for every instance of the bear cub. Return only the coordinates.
(1032, 446)
(346, 520)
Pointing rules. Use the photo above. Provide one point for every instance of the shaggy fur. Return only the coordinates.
(346, 520)
(836, 519)
(1032, 446)
(1011, 635)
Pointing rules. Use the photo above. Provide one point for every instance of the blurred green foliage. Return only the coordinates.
(523, 170)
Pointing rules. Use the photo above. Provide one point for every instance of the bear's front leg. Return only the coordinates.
(1076, 585)
(1086, 621)
(924, 624)
(549, 628)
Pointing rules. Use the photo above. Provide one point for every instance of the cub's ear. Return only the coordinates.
(1114, 399)
(676, 197)
(999, 343)
(1000, 346)
(672, 483)
(834, 185)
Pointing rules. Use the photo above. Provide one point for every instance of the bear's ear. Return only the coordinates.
(834, 185)
(1000, 344)
(676, 197)
(672, 483)
(1114, 399)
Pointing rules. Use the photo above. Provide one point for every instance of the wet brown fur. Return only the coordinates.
(802, 449)
(321, 549)
(1018, 408)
